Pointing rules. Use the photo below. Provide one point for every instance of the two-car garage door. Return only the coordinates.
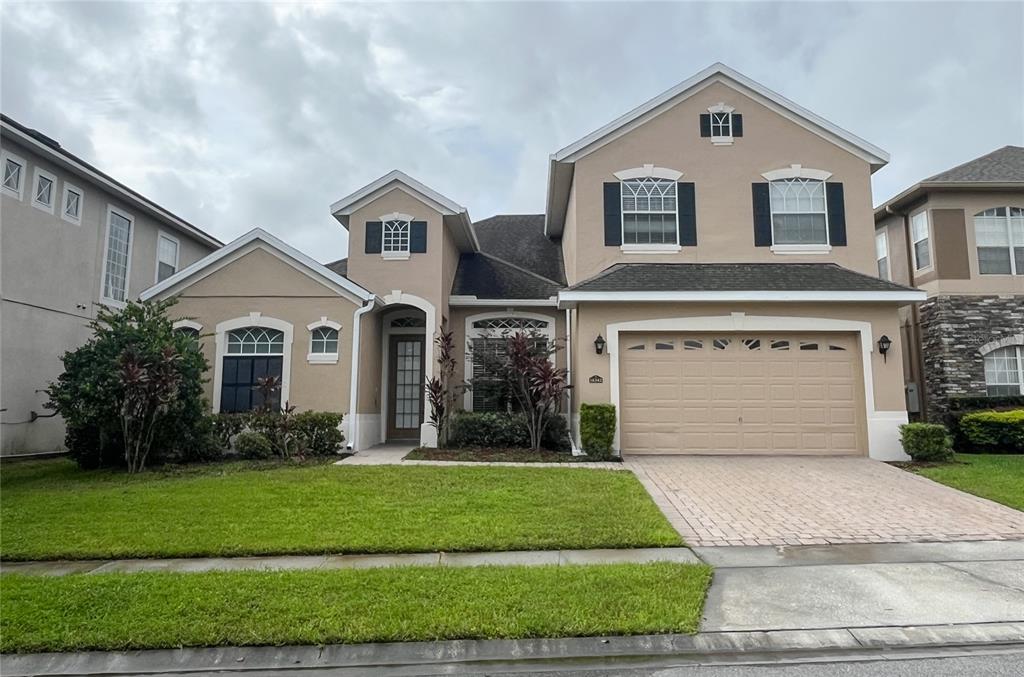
(686, 393)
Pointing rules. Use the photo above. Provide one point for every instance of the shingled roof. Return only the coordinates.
(340, 267)
(1005, 165)
(487, 277)
(699, 277)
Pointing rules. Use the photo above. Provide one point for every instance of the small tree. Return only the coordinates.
(441, 392)
(523, 367)
(150, 386)
(97, 388)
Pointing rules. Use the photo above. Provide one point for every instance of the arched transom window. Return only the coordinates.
(511, 324)
(649, 211)
(1004, 371)
(798, 211)
(999, 233)
(255, 341)
(487, 338)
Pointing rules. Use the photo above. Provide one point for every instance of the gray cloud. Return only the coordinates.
(236, 115)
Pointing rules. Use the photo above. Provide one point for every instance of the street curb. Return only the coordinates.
(716, 647)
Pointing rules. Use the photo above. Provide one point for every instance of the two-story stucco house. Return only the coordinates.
(959, 236)
(708, 259)
(71, 237)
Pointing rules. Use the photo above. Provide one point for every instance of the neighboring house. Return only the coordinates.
(71, 237)
(708, 259)
(965, 227)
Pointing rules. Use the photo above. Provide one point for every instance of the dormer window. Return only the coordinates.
(721, 124)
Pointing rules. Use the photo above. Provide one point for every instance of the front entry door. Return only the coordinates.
(405, 387)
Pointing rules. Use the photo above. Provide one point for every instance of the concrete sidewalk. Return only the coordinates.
(298, 562)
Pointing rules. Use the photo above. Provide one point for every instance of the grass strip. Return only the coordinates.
(165, 610)
(997, 477)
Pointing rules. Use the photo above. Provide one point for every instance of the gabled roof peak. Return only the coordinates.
(353, 201)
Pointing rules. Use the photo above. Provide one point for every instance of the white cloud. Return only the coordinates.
(235, 115)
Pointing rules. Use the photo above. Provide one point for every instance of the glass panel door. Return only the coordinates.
(406, 387)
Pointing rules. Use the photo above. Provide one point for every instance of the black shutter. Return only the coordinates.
(687, 215)
(762, 215)
(737, 124)
(418, 237)
(374, 232)
(836, 214)
(705, 124)
(612, 214)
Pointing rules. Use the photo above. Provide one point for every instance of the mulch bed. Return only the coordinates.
(491, 455)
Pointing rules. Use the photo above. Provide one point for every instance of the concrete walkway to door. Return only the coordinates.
(789, 500)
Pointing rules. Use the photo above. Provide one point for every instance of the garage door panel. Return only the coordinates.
(734, 393)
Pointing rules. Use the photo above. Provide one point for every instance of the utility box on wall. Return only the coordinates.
(913, 401)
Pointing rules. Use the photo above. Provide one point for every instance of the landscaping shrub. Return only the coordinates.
(319, 432)
(926, 441)
(994, 431)
(225, 426)
(494, 430)
(597, 429)
(111, 375)
(961, 406)
(255, 445)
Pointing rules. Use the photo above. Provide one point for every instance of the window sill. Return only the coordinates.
(42, 207)
(322, 358)
(111, 303)
(12, 192)
(721, 140)
(395, 256)
(801, 249)
(77, 222)
(650, 248)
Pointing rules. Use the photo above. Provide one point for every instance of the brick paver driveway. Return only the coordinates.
(786, 500)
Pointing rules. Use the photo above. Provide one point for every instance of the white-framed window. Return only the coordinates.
(167, 247)
(882, 254)
(1004, 371)
(14, 168)
(487, 333)
(649, 212)
(920, 238)
(44, 188)
(117, 256)
(255, 341)
(799, 212)
(72, 203)
(999, 235)
(721, 125)
(189, 328)
(396, 237)
(323, 341)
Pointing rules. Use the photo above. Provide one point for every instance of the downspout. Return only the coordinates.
(915, 316)
(576, 451)
(357, 323)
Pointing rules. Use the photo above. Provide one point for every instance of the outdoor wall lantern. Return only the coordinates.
(599, 344)
(884, 344)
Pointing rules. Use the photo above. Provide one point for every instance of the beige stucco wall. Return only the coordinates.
(971, 202)
(723, 176)
(259, 282)
(593, 319)
(50, 279)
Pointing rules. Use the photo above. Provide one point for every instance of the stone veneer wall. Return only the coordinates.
(953, 328)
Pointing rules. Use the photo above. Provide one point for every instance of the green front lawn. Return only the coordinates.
(997, 477)
(165, 610)
(51, 510)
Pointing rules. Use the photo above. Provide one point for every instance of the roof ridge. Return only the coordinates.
(520, 268)
(967, 162)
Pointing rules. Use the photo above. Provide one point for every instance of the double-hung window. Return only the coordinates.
(71, 205)
(43, 190)
(1004, 371)
(396, 237)
(799, 216)
(13, 174)
(921, 240)
(166, 256)
(999, 233)
(882, 255)
(649, 212)
(117, 257)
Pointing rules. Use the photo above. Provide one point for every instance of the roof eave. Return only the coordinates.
(568, 299)
(918, 190)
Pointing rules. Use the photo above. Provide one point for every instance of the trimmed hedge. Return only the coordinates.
(597, 429)
(994, 432)
(494, 430)
(961, 406)
(926, 441)
(249, 444)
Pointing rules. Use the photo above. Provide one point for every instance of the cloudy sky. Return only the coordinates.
(236, 115)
